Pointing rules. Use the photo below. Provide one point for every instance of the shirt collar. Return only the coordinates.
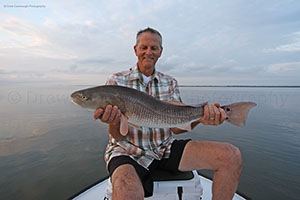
(137, 74)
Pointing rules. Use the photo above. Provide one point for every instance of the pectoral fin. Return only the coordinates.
(187, 127)
(124, 125)
(135, 126)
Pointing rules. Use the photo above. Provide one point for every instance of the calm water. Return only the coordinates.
(51, 149)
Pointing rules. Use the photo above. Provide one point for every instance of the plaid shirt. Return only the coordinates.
(149, 143)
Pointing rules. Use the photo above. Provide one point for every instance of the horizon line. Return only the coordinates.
(259, 86)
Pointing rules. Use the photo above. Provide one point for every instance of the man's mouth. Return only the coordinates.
(148, 59)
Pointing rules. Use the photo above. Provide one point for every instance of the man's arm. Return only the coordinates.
(112, 116)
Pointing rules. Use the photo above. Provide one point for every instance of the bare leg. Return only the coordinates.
(126, 184)
(225, 159)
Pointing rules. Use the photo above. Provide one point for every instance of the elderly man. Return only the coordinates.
(131, 158)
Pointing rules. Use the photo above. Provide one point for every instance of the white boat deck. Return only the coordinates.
(98, 192)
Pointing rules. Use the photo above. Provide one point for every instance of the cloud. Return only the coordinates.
(96, 60)
(200, 39)
(19, 33)
(26, 39)
(294, 46)
(53, 46)
(3, 71)
(289, 68)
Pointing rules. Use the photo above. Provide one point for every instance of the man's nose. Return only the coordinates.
(148, 51)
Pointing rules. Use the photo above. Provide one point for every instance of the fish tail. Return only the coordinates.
(237, 112)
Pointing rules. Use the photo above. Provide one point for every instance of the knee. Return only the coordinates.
(126, 184)
(126, 189)
(232, 157)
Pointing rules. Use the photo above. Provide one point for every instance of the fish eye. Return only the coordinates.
(227, 109)
(85, 98)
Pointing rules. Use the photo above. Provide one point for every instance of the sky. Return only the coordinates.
(206, 42)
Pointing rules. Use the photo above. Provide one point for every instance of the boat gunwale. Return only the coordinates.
(87, 188)
(237, 192)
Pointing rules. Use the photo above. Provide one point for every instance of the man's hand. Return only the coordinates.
(111, 115)
(213, 115)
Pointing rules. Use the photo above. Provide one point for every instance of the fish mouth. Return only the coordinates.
(74, 100)
(73, 95)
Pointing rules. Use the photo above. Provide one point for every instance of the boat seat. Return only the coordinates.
(164, 175)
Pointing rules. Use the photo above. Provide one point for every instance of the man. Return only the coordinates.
(131, 158)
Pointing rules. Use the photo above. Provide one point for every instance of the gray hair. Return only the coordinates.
(149, 30)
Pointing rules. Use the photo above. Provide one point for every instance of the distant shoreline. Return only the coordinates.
(183, 85)
(245, 86)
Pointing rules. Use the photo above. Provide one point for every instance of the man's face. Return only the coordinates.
(148, 50)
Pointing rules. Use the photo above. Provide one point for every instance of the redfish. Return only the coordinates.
(139, 109)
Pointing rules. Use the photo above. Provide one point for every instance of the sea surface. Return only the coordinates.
(51, 148)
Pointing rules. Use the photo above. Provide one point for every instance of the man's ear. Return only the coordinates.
(161, 50)
(134, 48)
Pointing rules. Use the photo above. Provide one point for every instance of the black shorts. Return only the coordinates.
(171, 164)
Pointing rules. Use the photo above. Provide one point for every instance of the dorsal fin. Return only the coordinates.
(177, 103)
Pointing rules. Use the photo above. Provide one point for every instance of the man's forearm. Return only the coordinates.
(114, 131)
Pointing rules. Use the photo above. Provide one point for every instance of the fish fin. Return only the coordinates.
(199, 105)
(135, 126)
(187, 127)
(124, 125)
(178, 103)
(237, 112)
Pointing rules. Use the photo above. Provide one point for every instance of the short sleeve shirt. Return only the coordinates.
(149, 143)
